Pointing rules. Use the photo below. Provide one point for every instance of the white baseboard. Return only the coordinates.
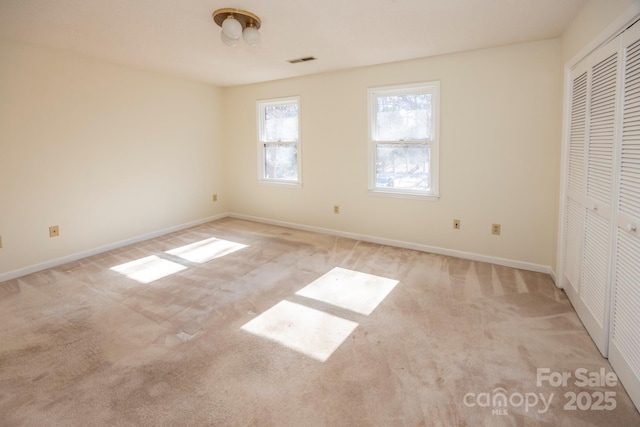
(407, 245)
(372, 239)
(79, 255)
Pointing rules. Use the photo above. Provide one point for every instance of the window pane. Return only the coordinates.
(281, 162)
(403, 117)
(280, 123)
(402, 166)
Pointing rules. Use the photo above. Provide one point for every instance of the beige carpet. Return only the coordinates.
(240, 323)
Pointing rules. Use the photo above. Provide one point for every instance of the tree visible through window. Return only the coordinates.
(403, 139)
(279, 140)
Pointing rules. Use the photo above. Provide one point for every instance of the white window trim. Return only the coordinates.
(434, 88)
(260, 105)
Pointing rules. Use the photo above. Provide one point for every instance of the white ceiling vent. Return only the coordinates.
(305, 59)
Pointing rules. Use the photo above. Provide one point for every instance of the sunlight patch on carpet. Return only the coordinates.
(148, 269)
(206, 250)
(348, 289)
(303, 329)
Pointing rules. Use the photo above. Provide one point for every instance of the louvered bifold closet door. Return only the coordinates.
(574, 200)
(624, 352)
(603, 76)
(589, 189)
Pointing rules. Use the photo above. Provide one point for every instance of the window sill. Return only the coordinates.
(276, 183)
(403, 195)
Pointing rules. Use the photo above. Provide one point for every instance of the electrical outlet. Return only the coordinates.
(336, 209)
(54, 231)
(495, 229)
(215, 197)
(456, 224)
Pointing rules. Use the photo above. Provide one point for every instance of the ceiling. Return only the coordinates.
(180, 37)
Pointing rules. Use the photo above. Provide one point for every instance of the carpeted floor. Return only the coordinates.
(240, 323)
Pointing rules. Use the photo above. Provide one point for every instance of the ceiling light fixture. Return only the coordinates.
(236, 23)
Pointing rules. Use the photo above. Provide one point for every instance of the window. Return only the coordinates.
(403, 140)
(279, 141)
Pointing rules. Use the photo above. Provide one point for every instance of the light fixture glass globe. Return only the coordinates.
(228, 40)
(251, 36)
(231, 27)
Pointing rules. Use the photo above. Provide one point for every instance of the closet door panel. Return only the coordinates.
(590, 193)
(602, 114)
(578, 133)
(625, 310)
(625, 326)
(574, 230)
(595, 272)
(574, 200)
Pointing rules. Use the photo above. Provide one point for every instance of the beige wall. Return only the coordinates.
(592, 20)
(499, 162)
(108, 153)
